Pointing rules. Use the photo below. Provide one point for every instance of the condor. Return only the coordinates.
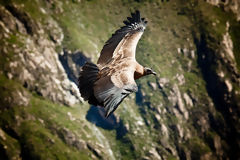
(113, 78)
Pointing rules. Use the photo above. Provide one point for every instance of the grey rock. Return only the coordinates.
(176, 99)
(43, 72)
(185, 52)
(217, 145)
(192, 54)
(187, 99)
(154, 154)
(153, 85)
(95, 151)
(180, 78)
(232, 5)
(163, 81)
(71, 139)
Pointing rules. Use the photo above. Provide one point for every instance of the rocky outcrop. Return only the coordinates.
(72, 63)
(71, 139)
(189, 111)
(233, 5)
(36, 64)
(220, 81)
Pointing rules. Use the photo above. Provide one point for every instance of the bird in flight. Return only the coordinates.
(112, 79)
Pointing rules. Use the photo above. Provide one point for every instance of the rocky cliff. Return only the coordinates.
(189, 111)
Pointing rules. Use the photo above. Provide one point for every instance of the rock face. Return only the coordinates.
(72, 63)
(220, 86)
(36, 64)
(232, 5)
(190, 111)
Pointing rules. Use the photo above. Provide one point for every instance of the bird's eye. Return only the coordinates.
(149, 70)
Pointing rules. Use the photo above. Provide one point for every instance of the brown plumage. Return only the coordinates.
(113, 78)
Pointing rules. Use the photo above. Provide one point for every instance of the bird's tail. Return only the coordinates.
(86, 80)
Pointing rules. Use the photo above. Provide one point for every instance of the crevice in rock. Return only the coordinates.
(11, 132)
(208, 61)
(94, 151)
(29, 24)
(24, 153)
(3, 154)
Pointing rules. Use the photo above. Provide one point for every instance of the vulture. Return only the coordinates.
(112, 79)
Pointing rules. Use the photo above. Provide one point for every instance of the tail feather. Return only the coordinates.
(87, 78)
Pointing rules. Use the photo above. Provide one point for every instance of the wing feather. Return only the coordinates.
(111, 91)
(114, 100)
(134, 23)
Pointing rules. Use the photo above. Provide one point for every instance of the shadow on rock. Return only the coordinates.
(95, 115)
(72, 62)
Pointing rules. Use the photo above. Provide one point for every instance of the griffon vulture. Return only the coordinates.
(113, 78)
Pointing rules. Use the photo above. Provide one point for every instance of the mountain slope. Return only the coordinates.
(190, 111)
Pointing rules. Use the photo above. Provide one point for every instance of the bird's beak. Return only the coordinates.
(149, 71)
(154, 73)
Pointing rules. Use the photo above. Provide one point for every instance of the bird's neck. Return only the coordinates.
(139, 71)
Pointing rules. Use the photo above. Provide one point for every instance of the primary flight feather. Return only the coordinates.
(113, 78)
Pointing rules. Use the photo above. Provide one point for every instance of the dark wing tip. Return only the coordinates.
(135, 16)
(132, 23)
(126, 22)
(129, 19)
(112, 102)
(138, 16)
(107, 114)
(135, 19)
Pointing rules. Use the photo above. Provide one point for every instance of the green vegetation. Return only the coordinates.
(166, 46)
(38, 135)
(197, 147)
(235, 34)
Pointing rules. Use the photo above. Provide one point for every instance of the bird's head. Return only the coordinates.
(148, 71)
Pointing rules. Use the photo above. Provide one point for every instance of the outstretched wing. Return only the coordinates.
(111, 90)
(133, 25)
(116, 96)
